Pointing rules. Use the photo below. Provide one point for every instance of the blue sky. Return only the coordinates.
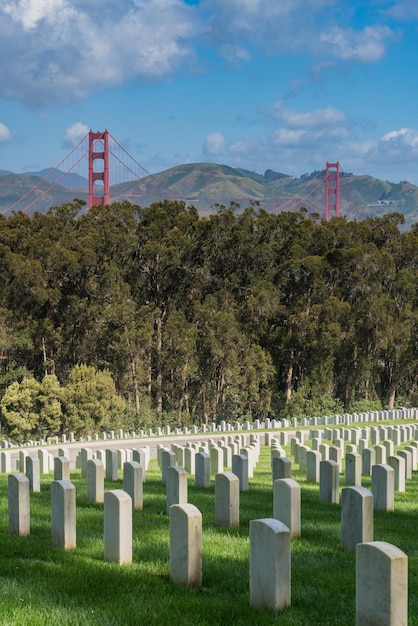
(279, 84)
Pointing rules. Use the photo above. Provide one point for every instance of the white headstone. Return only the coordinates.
(185, 545)
(118, 527)
(269, 564)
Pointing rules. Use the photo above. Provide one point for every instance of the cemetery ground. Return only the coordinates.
(41, 584)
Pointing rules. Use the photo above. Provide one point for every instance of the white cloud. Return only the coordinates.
(318, 118)
(214, 144)
(234, 54)
(74, 134)
(30, 12)
(305, 139)
(318, 27)
(394, 155)
(5, 134)
(301, 139)
(289, 137)
(366, 46)
(401, 139)
(316, 129)
(63, 51)
(298, 149)
(404, 10)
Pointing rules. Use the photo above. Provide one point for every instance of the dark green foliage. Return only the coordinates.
(240, 313)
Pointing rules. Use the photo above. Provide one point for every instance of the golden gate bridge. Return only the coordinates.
(99, 170)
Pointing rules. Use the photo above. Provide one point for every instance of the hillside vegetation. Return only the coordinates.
(241, 314)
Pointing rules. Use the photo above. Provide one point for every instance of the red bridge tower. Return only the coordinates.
(332, 189)
(99, 188)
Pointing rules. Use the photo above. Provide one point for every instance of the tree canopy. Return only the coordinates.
(126, 312)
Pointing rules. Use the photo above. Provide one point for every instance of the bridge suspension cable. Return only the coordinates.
(47, 179)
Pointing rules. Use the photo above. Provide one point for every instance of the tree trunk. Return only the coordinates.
(134, 377)
(391, 395)
(289, 386)
(44, 357)
(392, 383)
(136, 386)
(159, 377)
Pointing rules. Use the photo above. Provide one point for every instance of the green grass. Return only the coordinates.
(42, 585)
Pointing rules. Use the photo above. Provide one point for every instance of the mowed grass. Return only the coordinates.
(40, 584)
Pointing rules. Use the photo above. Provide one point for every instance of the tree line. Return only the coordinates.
(238, 314)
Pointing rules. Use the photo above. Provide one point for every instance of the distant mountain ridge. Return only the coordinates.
(68, 181)
(207, 185)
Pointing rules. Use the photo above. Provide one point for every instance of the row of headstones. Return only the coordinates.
(96, 469)
(386, 477)
(118, 506)
(358, 435)
(386, 604)
(378, 453)
(223, 426)
(269, 539)
(270, 562)
(227, 485)
(381, 568)
(47, 460)
(227, 488)
(268, 591)
(398, 434)
(118, 523)
(400, 465)
(220, 452)
(381, 575)
(207, 458)
(357, 503)
(226, 499)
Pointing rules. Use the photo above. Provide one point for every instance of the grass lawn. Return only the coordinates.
(42, 585)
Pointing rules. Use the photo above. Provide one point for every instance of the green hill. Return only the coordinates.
(21, 192)
(207, 185)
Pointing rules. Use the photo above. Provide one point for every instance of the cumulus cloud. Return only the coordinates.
(404, 10)
(30, 12)
(293, 26)
(234, 54)
(308, 137)
(302, 140)
(396, 149)
(74, 134)
(403, 138)
(318, 118)
(63, 51)
(366, 46)
(214, 144)
(315, 129)
(5, 134)
(392, 156)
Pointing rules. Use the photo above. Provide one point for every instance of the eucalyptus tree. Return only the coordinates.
(160, 271)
